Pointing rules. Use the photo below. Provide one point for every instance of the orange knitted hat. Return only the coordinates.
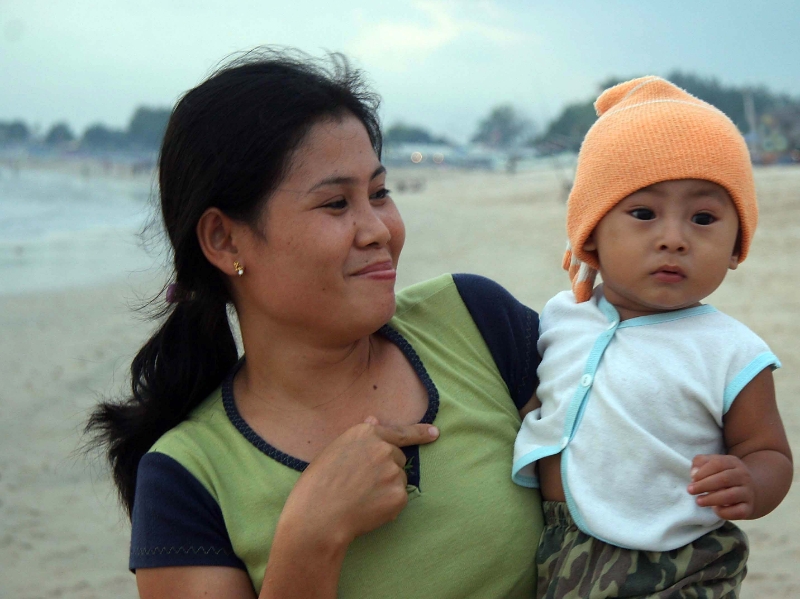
(650, 131)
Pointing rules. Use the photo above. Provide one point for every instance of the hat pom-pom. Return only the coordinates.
(614, 95)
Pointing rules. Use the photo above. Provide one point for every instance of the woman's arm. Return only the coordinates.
(194, 581)
(355, 485)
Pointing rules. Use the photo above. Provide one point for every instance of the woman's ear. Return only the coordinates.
(217, 234)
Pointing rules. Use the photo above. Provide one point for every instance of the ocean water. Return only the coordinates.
(67, 229)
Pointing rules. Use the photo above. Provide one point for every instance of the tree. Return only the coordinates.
(14, 132)
(401, 133)
(147, 126)
(100, 137)
(502, 128)
(60, 133)
(566, 132)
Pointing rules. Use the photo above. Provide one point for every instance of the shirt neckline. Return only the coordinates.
(229, 403)
(610, 312)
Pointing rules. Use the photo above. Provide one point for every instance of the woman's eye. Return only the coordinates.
(703, 219)
(380, 194)
(642, 214)
(339, 204)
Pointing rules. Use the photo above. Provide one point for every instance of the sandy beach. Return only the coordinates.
(62, 534)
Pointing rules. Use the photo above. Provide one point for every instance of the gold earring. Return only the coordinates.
(238, 268)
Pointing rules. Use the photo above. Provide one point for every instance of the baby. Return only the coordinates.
(658, 423)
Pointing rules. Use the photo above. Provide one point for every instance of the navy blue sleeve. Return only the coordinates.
(176, 521)
(509, 328)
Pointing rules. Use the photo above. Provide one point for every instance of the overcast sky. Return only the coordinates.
(442, 64)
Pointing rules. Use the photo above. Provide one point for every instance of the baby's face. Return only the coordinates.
(666, 246)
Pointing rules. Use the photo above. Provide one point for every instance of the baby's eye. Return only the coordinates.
(380, 194)
(642, 214)
(339, 204)
(703, 219)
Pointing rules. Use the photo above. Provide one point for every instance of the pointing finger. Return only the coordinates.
(408, 434)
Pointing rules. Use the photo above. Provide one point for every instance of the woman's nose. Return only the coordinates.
(371, 228)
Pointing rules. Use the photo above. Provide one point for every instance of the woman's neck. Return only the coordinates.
(287, 372)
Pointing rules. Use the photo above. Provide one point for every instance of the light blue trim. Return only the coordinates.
(663, 317)
(571, 505)
(747, 374)
(608, 309)
(575, 409)
(529, 482)
(528, 459)
(610, 312)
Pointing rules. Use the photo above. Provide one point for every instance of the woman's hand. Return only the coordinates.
(355, 485)
(358, 482)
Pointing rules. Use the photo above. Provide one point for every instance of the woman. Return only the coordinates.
(312, 468)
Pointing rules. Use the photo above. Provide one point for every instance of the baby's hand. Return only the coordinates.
(724, 483)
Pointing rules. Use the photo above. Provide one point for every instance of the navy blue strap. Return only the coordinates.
(509, 329)
(176, 521)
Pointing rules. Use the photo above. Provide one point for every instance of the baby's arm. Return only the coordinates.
(755, 475)
(532, 404)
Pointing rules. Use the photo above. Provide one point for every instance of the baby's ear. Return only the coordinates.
(589, 245)
(737, 248)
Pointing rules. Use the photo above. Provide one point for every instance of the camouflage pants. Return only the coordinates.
(574, 565)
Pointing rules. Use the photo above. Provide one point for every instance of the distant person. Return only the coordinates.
(658, 423)
(314, 465)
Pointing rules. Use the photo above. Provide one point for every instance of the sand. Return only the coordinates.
(62, 533)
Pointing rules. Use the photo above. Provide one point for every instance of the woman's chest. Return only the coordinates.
(465, 500)
(392, 392)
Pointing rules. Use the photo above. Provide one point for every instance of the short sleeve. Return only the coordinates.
(509, 329)
(176, 521)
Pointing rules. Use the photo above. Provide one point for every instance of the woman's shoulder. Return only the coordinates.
(478, 293)
(460, 311)
(198, 436)
(425, 292)
(176, 519)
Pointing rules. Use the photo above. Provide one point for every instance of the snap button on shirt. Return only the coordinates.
(586, 380)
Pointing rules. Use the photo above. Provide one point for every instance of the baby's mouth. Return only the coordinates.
(669, 274)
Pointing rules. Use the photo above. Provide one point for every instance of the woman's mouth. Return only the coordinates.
(378, 270)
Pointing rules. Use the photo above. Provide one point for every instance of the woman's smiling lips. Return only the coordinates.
(378, 270)
(669, 274)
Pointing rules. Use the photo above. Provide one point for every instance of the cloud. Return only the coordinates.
(398, 44)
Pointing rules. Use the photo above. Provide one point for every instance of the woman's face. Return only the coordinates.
(325, 264)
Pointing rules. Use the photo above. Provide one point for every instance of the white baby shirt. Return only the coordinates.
(630, 404)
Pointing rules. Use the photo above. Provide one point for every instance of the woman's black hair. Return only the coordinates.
(228, 144)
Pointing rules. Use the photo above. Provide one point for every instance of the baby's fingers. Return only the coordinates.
(724, 497)
(724, 479)
(740, 511)
(729, 504)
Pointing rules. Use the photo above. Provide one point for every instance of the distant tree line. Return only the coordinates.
(400, 133)
(777, 126)
(778, 115)
(144, 132)
(777, 123)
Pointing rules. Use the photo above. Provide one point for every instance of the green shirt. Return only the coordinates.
(467, 531)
